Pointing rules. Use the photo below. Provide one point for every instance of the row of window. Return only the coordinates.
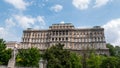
(60, 39)
(40, 46)
(70, 46)
(78, 34)
(98, 39)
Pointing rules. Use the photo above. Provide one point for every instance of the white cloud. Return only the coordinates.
(81, 4)
(112, 31)
(24, 21)
(10, 31)
(28, 21)
(62, 22)
(40, 19)
(99, 3)
(18, 4)
(57, 8)
(84, 4)
(7, 34)
(2, 32)
(10, 22)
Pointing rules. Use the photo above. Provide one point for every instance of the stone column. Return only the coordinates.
(41, 63)
(45, 64)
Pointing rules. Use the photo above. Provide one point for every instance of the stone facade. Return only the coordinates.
(12, 44)
(75, 39)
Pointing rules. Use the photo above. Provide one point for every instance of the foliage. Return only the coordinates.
(5, 54)
(29, 57)
(109, 62)
(75, 60)
(111, 49)
(2, 45)
(118, 62)
(117, 51)
(57, 57)
(94, 61)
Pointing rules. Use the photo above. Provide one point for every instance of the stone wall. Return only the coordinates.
(2, 66)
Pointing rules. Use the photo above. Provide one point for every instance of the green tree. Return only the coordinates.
(117, 51)
(5, 54)
(94, 61)
(109, 62)
(111, 49)
(57, 57)
(29, 57)
(75, 60)
(118, 62)
(2, 45)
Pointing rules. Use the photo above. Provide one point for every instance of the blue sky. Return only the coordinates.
(17, 15)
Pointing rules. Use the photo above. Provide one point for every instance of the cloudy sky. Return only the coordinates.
(17, 15)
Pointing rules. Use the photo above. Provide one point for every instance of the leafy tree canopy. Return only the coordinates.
(5, 54)
(111, 49)
(57, 57)
(29, 57)
(94, 61)
(110, 62)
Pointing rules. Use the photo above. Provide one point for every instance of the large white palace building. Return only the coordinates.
(75, 39)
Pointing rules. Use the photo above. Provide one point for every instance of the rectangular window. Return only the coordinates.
(66, 39)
